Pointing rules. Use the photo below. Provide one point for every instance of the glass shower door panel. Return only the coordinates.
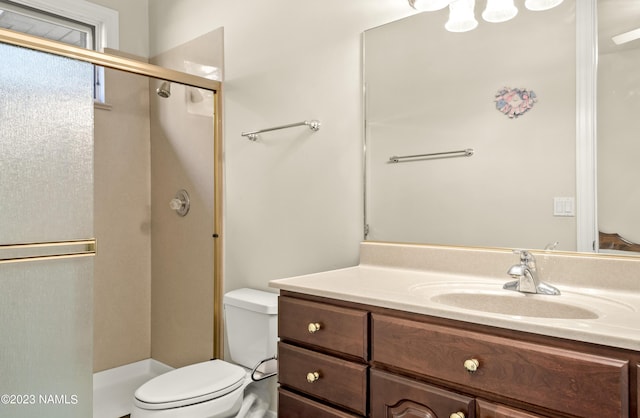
(46, 355)
(46, 147)
(46, 198)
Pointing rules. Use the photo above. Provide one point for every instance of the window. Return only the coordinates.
(74, 22)
(35, 22)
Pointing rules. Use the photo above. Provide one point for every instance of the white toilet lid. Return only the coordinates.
(190, 384)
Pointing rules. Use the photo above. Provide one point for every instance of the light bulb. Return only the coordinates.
(461, 16)
(499, 11)
(429, 5)
(539, 5)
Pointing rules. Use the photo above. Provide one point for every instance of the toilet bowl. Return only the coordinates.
(215, 389)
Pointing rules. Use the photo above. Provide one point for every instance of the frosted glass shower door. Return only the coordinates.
(46, 230)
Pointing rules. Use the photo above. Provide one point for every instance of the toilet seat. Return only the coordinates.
(192, 384)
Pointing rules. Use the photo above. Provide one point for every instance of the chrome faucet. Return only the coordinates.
(526, 276)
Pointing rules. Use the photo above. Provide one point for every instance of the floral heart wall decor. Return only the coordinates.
(515, 102)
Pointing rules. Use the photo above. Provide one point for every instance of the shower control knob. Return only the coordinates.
(175, 204)
(457, 415)
(180, 202)
(471, 365)
(314, 327)
(313, 377)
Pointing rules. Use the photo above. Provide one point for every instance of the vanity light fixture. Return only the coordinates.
(499, 11)
(539, 5)
(462, 12)
(429, 5)
(461, 16)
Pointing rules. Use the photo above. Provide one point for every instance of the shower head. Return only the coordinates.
(164, 90)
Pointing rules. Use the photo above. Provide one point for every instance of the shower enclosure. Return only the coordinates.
(46, 222)
(46, 234)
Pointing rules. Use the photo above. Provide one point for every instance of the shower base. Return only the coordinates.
(113, 389)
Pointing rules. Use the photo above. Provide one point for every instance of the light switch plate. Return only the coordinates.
(564, 206)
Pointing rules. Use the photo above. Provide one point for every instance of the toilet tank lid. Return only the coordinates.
(253, 300)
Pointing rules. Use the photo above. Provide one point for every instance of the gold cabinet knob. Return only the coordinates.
(314, 327)
(471, 365)
(457, 415)
(313, 377)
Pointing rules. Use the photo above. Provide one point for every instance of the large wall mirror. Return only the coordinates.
(489, 123)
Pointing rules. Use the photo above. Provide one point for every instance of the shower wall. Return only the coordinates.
(122, 288)
(182, 247)
(154, 269)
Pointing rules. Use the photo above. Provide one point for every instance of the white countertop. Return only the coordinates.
(618, 311)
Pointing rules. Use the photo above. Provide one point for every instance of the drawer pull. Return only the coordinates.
(313, 377)
(457, 415)
(471, 365)
(314, 327)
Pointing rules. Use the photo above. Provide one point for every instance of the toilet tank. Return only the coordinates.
(251, 324)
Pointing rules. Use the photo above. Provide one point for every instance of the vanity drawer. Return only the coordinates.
(337, 381)
(492, 410)
(291, 405)
(559, 379)
(343, 330)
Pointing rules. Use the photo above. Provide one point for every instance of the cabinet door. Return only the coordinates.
(638, 388)
(399, 397)
(492, 410)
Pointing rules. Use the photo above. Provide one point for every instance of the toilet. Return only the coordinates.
(215, 389)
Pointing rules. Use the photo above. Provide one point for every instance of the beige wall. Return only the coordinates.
(122, 277)
(293, 198)
(134, 24)
(182, 247)
(618, 145)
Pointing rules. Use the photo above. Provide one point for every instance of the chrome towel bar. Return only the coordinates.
(314, 125)
(462, 153)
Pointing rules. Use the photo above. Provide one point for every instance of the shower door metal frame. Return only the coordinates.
(150, 70)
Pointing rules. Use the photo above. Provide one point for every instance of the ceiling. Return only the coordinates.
(614, 17)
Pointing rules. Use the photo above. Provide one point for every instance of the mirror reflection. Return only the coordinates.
(618, 124)
(506, 91)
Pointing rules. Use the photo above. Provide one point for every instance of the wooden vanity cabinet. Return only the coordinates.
(366, 361)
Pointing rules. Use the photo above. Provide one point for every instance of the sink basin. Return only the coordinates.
(518, 305)
(489, 297)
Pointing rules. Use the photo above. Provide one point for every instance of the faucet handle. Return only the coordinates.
(525, 256)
